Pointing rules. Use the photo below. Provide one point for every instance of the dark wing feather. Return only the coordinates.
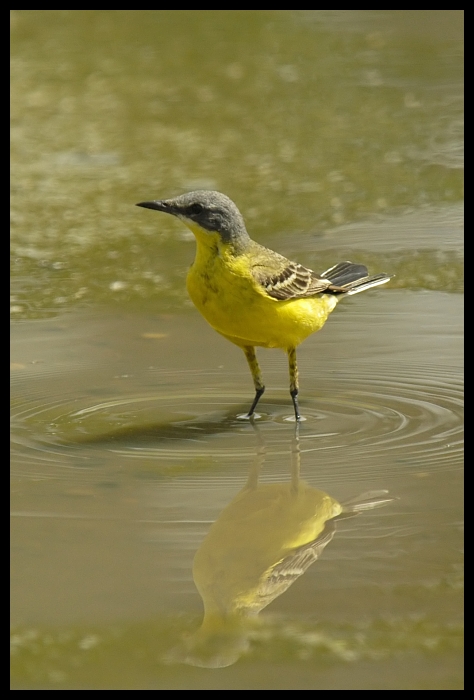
(283, 279)
(293, 281)
(292, 566)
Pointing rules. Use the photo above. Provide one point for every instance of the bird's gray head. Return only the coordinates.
(211, 211)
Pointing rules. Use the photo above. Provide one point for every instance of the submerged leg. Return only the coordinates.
(256, 376)
(295, 460)
(294, 380)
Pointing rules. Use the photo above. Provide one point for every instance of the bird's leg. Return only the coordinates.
(295, 460)
(256, 468)
(256, 376)
(294, 380)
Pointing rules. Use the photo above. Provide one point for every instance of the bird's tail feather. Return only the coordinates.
(363, 502)
(369, 282)
(352, 278)
(367, 501)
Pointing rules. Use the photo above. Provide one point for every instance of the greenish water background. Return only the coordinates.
(339, 134)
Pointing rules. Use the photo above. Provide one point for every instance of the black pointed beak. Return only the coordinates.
(158, 205)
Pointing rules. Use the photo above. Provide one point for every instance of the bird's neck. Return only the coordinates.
(210, 245)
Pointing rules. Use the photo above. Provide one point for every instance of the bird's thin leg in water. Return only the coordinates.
(256, 376)
(256, 468)
(294, 380)
(295, 459)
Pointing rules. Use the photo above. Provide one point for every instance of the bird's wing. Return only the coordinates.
(285, 572)
(294, 564)
(281, 278)
(300, 559)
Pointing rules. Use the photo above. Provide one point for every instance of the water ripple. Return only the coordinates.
(404, 416)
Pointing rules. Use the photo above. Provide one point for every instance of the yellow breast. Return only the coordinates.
(223, 290)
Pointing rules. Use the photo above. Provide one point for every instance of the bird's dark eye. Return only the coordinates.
(195, 209)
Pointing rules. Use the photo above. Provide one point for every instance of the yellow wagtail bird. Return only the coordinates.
(252, 295)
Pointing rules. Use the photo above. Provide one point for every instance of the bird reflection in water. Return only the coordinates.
(266, 538)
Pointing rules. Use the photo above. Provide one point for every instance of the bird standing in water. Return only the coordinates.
(252, 295)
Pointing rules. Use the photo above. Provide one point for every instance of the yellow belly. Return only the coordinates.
(231, 302)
